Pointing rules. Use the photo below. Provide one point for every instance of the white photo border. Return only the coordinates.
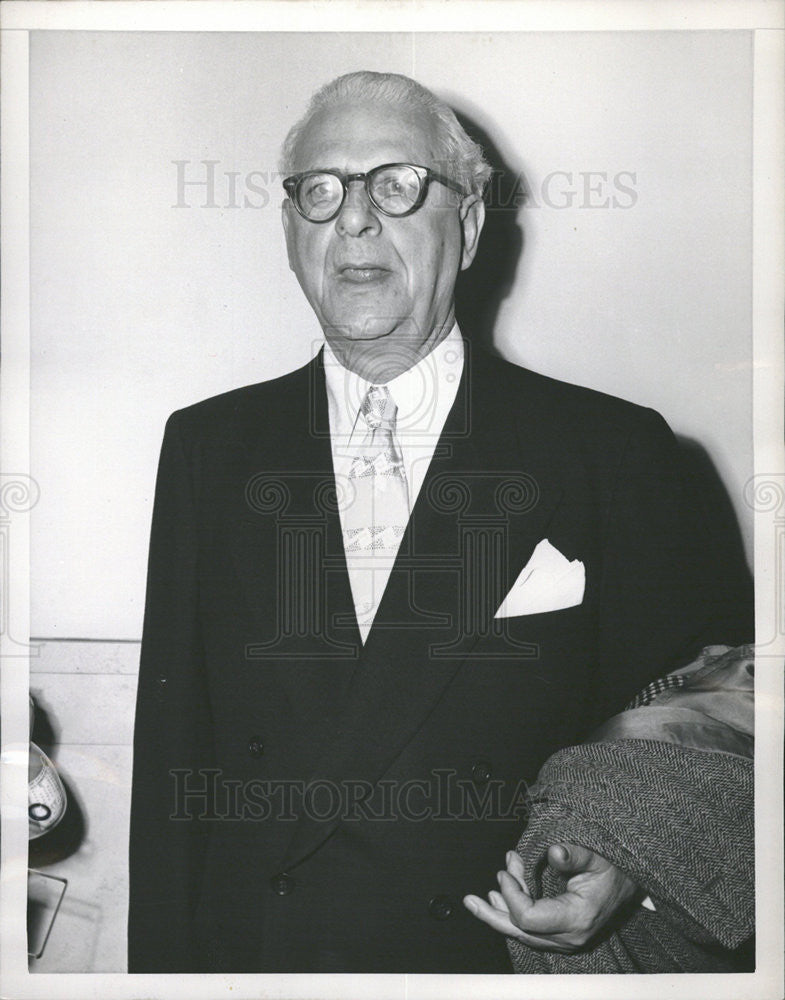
(765, 19)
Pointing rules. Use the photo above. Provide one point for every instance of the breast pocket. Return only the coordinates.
(549, 641)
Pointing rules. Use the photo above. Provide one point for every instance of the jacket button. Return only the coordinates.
(282, 884)
(441, 907)
(255, 747)
(481, 772)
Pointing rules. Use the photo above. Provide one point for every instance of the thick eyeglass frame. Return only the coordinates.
(425, 175)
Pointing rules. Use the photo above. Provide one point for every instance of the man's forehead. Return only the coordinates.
(341, 136)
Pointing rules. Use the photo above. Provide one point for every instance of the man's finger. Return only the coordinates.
(598, 882)
(558, 915)
(572, 859)
(515, 868)
(498, 901)
(491, 916)
(561, 946)
(502, 923)
(512, 889)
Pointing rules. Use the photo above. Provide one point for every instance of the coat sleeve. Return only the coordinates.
(173, 731)
(667, 590)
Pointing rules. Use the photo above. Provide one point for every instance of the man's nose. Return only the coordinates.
(357, 216)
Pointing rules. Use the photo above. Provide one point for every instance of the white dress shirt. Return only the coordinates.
(424, 396)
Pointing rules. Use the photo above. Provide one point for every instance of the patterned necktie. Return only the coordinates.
(376, 511)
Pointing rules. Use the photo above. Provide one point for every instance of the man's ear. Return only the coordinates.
(472, 216)
(286, 209)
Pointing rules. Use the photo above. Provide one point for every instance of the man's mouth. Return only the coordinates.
(361, 273)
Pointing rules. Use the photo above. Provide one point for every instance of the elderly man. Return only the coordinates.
(385, 588)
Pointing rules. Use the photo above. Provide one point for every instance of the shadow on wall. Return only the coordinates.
(486, 284)
(482, 289)
(710, 499)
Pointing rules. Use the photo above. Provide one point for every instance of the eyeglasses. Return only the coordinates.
(396, 189)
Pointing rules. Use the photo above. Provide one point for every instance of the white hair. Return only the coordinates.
(459, 156)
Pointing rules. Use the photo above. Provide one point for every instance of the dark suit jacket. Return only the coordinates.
(304, 803)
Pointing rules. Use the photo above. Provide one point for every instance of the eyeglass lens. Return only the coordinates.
(394, 189)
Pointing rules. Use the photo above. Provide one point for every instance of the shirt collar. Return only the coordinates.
(423, 393)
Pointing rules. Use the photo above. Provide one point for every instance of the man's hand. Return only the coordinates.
(596, 890)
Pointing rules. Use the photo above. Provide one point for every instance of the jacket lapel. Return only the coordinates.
(288, 548)
(483, 507)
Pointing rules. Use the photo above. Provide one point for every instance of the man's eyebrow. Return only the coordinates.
(321, 170)
(345, 169)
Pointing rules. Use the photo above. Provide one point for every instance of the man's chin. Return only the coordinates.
(376, 349)
(372, 328)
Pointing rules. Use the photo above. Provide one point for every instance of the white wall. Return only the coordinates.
(139, 307)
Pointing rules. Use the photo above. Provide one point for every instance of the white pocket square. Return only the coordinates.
(548, 582)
